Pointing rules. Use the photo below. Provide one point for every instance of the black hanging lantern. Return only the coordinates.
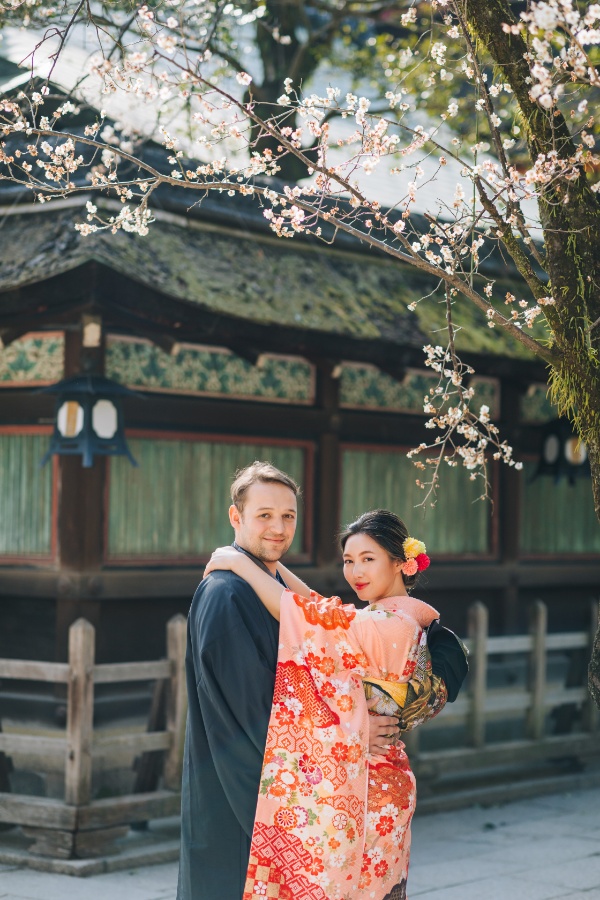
(88, 419)
(563, 454)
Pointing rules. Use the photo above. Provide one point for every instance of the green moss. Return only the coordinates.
(267, 281)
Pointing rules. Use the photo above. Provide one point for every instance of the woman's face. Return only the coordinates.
(370, 570)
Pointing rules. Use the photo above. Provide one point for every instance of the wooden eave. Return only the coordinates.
(132, 308)
(195, 282)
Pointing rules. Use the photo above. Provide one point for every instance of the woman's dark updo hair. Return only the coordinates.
(388, 531)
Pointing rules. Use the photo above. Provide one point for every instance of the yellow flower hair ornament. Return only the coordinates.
(416, 556)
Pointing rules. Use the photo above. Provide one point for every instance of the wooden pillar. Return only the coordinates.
(81, 491)
(80, 714)
(590, 714)
(478, 634)
(80, 514)
(537, 671)
(6, 767)
(177, 700)
(509, 505)
(328, 474)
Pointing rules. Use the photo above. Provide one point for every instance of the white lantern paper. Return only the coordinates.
(105, 419)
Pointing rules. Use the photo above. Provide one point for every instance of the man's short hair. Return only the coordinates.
(263, 472)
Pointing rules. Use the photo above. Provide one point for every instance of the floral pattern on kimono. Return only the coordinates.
(333, 822)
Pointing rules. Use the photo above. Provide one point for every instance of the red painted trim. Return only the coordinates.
(54, 520)
(496, 500)
(488, 556)
(105, 513)
(305, 557)
(42, 559)
(39, 561)
(308, 499)
(26, 429)
(340, 476)
(216, 438)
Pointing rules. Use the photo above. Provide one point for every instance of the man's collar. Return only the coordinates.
(259, 563)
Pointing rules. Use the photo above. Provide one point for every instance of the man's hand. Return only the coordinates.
(383, 731)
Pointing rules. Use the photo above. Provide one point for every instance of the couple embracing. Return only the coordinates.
(295, 785)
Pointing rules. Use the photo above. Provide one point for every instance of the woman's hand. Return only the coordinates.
(227, 559)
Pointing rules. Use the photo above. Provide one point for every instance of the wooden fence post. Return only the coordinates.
(80, 713)
(177, 701)
(590, 710)
(537, 671)
(478, 633)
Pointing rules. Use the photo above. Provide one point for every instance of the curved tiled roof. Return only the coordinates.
(253, 277)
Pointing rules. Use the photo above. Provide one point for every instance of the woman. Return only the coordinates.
(333, 822)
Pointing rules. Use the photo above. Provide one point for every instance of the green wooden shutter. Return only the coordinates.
(26, 496)
(175, 504)
(386, 480)
(557, 517)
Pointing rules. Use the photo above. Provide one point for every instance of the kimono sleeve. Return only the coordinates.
(328, 616)
(235, 667)
(448, 658)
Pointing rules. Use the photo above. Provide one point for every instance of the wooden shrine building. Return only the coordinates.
(239, 346)
(242, 346)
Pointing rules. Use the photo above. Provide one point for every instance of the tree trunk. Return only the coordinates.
(297, 60)
(570, 215)
(594, 667)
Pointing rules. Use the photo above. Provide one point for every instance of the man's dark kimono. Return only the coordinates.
(230, 670)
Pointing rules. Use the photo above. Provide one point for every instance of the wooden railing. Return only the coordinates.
(79, 826)
(479, 704)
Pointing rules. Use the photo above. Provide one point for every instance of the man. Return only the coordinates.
(230, 671)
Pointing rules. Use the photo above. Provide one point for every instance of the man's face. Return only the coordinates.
(267, 524)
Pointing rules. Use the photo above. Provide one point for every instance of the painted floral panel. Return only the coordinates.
(36, 358)
(366, 387)
(209, 371)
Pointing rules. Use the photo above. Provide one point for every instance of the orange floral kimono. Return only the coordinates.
(332, 822)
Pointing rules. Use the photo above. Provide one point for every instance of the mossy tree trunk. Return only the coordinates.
(594, 668)
(570, 216)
